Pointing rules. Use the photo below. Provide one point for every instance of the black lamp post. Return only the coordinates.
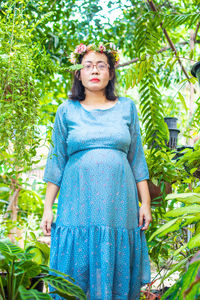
(195, 71)
(173, 131)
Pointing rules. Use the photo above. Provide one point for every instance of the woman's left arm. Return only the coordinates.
(145, 209)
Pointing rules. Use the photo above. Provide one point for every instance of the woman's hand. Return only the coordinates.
(145, 216)
(46, 222)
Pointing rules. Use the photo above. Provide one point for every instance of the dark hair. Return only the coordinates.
(78, 90)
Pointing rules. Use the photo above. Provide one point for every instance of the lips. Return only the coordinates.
(95, 80)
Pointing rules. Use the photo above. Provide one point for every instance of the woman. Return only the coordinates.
(98, 164)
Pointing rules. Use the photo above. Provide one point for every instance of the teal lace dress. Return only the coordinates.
(96, 160)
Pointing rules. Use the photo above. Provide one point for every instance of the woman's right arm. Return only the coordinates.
(47, 219)
(56, 161)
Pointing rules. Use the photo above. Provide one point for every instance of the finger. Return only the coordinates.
(141, 220)
(48, 228)
(44, 227)
(146, 225)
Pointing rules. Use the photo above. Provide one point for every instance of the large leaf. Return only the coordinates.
(12, 251)
(189, 277)
(190, 209)
(176, 292)
(172, 225)
(180, 249)
(33, 294)
(30, 267)
(173, 292)
(191, 219)
(185, 197)
(7, 247)
(46, 270)
(194, 242)
(175, 268)
(65, 287)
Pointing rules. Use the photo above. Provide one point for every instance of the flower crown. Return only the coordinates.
(82, 48)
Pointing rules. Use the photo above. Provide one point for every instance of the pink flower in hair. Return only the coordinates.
(80, 48)
(102, 48)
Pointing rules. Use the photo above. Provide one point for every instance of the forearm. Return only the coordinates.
(51, 193)
(143, 192)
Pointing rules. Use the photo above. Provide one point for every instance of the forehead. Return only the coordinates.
(94, 57)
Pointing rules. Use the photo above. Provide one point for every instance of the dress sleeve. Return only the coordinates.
(57, 156)
(135, 154)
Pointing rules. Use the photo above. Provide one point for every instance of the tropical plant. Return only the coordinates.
(191, 160)
(180, 220)
(18, 268)
(188, 286)
(41, 250)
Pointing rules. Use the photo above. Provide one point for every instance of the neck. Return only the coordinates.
(92, 97)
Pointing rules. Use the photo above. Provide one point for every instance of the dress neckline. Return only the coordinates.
(99, 109)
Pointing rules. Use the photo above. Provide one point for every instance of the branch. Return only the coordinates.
(152, 5)
(196, 31)
(134, 60)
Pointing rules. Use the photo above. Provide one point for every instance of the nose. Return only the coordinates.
(96, 70)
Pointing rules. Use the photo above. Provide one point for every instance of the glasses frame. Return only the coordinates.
(96, 67)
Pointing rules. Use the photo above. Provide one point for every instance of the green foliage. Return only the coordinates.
(37, 37)
(185, 288)
(41, 250)
(20, 268)
(190, 160)
(180, 215)
(21, 58)
(177, 220)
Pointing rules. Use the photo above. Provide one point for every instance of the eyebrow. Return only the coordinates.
(92, 61)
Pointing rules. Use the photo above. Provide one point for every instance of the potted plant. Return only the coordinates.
(41, 253)
(162, 173)
(17, 270)
(173, 131)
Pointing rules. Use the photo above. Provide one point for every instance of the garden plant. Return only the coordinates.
(159, 43)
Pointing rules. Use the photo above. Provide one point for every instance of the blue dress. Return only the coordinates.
(96, 160)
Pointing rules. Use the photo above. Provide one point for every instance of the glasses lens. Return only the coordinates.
(101, 66)
(88, 66)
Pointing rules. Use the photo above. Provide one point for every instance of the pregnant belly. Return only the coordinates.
(98, 187)
(98, 158)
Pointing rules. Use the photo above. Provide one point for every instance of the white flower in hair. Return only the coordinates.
(112, 46)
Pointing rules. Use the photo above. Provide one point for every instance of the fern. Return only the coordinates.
(147, 36)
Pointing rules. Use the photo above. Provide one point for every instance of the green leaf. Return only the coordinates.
(165, 228)
(180, 249)
(173, 292)
(190, 209)
(189, 277)
(75, 67)
(13, 252)
(194, 241)
(65, 287)
(185, 197)
(30, 267)
(180, 96)
(175, 268)
(33, 294)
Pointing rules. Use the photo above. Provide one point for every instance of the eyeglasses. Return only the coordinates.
(101, 66)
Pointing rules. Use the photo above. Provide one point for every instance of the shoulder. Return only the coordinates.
(63, 107)
(130, 103)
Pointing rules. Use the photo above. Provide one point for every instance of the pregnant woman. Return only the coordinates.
(97, 164)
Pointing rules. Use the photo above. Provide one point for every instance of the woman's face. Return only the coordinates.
(87, 76)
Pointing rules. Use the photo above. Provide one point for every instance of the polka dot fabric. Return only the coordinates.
(96, 159)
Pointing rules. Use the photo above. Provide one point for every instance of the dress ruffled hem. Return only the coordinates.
(107, 263)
